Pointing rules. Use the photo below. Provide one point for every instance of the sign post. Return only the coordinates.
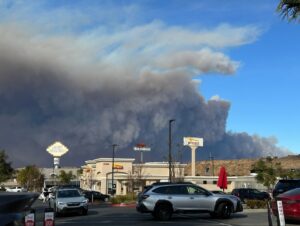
(57, 150)
(193, 143)
(141, 148)
(280, 218)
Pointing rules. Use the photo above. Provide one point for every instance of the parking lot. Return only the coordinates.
(103, 214)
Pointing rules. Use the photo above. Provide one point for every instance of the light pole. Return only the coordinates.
(170, 149)
(212, 162)
(112, 169)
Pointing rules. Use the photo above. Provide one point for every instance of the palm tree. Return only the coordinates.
(289, 9)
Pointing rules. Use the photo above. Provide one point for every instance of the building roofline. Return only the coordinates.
(109, 160)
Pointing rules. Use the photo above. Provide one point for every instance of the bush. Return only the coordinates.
(256, 204)
(129, 198)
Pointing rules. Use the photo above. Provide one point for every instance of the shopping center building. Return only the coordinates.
(132, 177)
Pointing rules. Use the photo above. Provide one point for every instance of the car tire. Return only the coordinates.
(224, 210)
(163, 212)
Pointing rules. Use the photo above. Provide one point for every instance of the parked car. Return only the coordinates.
(285, 185)
(250, 193)
(162, 200)
(95, 195)
(16, 189)
(290, 203)
(13, 207)
(68, 200)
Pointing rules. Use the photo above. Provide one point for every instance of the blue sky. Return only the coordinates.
(264, 89)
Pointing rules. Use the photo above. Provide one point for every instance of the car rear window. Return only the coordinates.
(295, 191)
(287, 184)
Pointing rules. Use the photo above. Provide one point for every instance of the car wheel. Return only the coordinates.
(224, 210)
(106, 199)
(163, 212)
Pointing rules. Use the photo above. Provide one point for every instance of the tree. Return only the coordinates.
(31, 178)
(267, 173)
(6, 170)
(289, 9)
(65, 178)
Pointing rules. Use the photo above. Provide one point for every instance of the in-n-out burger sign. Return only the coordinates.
(141, 147)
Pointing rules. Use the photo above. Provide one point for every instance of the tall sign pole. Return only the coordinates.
(193, 143)
(141, 148)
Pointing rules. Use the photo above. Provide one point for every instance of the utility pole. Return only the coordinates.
(112, 169)
(170, 149)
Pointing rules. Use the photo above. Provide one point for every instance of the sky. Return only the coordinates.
(70, 67)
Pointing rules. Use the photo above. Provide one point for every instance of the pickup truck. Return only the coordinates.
(16, 189)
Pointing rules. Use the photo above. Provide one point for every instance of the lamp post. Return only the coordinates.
(170, 149)
(112, 169)
(212, 162)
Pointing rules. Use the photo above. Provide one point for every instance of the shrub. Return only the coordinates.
(123, 199)
(256, 204)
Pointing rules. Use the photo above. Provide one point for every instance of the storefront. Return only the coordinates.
(127, 176)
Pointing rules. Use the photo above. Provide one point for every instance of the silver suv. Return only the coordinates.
(69, 200)
(164, 199)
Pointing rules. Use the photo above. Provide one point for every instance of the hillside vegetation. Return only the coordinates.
(240, 167)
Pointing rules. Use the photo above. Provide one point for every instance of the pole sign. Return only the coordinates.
(57, 149)
(280, 213)
(141, 147)
(193, 141)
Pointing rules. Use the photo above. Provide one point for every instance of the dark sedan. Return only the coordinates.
(250, 193)
(95, 195)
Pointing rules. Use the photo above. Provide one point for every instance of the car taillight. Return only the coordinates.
(145, 197)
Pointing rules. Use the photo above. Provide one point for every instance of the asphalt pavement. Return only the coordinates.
(105, 214)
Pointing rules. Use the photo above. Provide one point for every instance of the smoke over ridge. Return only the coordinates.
(94, 90)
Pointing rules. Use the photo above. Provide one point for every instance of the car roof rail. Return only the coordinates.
(166, 183)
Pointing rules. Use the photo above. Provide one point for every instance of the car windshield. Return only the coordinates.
(68, 193)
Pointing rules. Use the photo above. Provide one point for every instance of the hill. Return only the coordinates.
(240, 167)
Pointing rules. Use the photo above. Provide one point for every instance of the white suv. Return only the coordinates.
(69, 200)
(164, 199)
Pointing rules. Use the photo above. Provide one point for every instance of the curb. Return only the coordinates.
(255, 210)
(132, 205)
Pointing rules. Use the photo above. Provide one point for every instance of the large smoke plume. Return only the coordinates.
(121, 91)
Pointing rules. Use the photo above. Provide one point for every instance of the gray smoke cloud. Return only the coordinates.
(89, 96)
